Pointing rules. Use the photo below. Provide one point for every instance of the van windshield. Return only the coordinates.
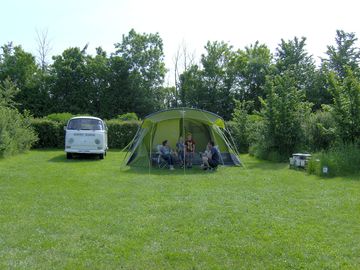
(85, 124)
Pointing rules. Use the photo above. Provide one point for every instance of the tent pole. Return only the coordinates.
(150, 158)
(184, 138)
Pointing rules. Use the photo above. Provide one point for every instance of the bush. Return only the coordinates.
(320, 130)
(51, 133)
(121, 133)
(16, 135)
(342, 159)
(59, 117)
(128, 117)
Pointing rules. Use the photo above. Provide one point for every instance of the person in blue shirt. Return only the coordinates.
(165, 151)
(212, 160)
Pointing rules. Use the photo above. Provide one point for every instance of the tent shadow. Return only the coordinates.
(157, 171)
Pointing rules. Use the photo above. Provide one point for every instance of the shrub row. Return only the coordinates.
(52, 135)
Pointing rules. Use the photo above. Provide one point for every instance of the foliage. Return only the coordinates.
(50, 132)
(21, 69)
(319, 130)
(60, 117)
(121, 133)
(244, 127)
(346, 108)
(344, 55)
(210, 87)
(16, 135)
(250, 68)
(8, 91)
(143, 55)
(283, 113)
(342, 159)
(128, 117)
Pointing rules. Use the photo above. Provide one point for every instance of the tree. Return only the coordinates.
(8, 91)
(346, 108)
(43, 49)
(344, 55)
(283, 111)
(291, 57)
(21, 68)
(143, 54)
(250, 68)
(183, 60)
(71, 89)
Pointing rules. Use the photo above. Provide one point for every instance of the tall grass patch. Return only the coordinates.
(339, 160)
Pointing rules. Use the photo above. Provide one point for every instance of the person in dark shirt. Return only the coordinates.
(189, 150)
(212, 160)
(165, 151)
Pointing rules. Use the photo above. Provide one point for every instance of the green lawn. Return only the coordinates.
(91, 214)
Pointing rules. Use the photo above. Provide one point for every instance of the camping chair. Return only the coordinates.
(160, 161)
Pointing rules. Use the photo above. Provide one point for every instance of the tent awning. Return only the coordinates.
(187, 113)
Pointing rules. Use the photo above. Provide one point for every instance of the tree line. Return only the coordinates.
(270, 96)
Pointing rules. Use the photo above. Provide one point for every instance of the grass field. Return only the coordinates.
(90, 214)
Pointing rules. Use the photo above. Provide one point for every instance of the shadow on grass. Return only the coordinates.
(76, 158)
(265, 165)
(165, 171)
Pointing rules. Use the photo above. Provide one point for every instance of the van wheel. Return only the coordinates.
(101, 156)
(69, 156)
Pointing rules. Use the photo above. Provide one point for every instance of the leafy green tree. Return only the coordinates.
(21, 68)
(143, 54)
(343, 55)
(346, 108)
(291, 57)
(283, 111)
(191, 87)
(71, 87)
(8, 91)
(250, 68)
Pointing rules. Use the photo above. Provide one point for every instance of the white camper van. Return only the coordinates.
(86, 135)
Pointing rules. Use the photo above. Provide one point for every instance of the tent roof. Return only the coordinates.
(187, 113)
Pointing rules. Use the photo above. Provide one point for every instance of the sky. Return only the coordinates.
(190, 23)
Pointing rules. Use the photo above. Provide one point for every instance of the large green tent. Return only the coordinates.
(173, 123)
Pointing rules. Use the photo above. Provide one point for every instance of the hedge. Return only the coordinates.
(121, 133)
(52, 135)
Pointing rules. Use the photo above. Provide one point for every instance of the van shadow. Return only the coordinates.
(76, 158)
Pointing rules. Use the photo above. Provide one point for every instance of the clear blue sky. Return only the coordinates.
(193, 22)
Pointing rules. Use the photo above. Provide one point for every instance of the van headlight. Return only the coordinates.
(97, 141)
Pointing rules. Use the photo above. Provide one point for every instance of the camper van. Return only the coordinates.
(86, 135)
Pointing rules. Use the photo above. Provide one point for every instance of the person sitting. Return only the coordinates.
(180, 147)
(165, 152)
(211, 161)
(189, 150)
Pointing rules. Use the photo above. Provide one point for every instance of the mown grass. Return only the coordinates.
(90, 214)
